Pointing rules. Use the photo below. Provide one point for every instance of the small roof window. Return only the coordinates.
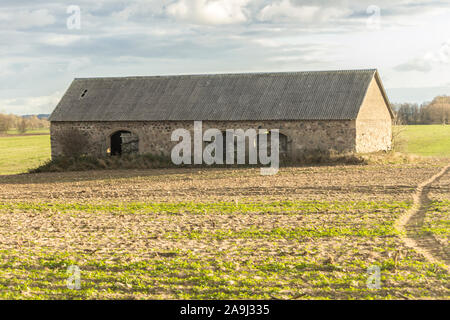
(83, 93)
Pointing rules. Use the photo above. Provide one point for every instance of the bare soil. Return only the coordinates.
(343, 225)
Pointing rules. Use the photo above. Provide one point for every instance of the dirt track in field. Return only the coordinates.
(412, 223)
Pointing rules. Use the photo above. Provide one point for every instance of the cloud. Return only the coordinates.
(428, 61)
(24, 19)
(295, 58)
(39, 55)
(420, 65)
(269, 43)
(441, 56)
(60, 39)
(286, 11)
(213, 12)
(77, 64)
(31, 105)
(140, 9)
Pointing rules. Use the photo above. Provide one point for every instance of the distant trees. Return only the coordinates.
(7, 121)
(408, 113)
(434, 112)
(438, 111)
(22, 124)
(34, 122)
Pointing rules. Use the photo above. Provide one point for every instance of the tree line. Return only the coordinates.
(434, 112)
(22, 124)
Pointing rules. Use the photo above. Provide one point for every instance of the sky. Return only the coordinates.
(45, 44)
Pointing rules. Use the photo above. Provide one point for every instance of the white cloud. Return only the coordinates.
(140, 8)
(428, 61)
(31, 105)
(440, 56)
(215, 12)
(286, 11)
(291, 58)
(146, 37)
(77, 64)
(60, 40)
(268, 43)
(22, 19)
(420, 65)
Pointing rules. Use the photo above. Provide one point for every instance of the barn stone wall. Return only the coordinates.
(373, 135)
(154, 136)
(373, 124)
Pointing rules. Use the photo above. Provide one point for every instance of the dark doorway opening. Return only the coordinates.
(282, 143)
(124, 142)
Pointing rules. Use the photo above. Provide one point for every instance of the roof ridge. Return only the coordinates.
(282, 73)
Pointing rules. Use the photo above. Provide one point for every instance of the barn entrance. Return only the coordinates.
(282, 143)
(124, 142)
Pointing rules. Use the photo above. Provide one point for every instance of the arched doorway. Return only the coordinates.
(124, 142)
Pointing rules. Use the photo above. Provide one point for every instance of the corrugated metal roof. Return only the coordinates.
(320, 95)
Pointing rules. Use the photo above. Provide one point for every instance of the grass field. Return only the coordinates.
(19, 153)
(305, 233)
(30, 131)
(425, 140)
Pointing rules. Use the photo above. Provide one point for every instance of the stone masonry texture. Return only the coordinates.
(155, 136)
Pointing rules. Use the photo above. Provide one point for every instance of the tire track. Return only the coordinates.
(410, 224)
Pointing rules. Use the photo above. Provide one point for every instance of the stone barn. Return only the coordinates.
(343, 111)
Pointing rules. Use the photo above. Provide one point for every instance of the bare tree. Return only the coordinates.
(398, 127)
(22, 125)
(6, 122)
